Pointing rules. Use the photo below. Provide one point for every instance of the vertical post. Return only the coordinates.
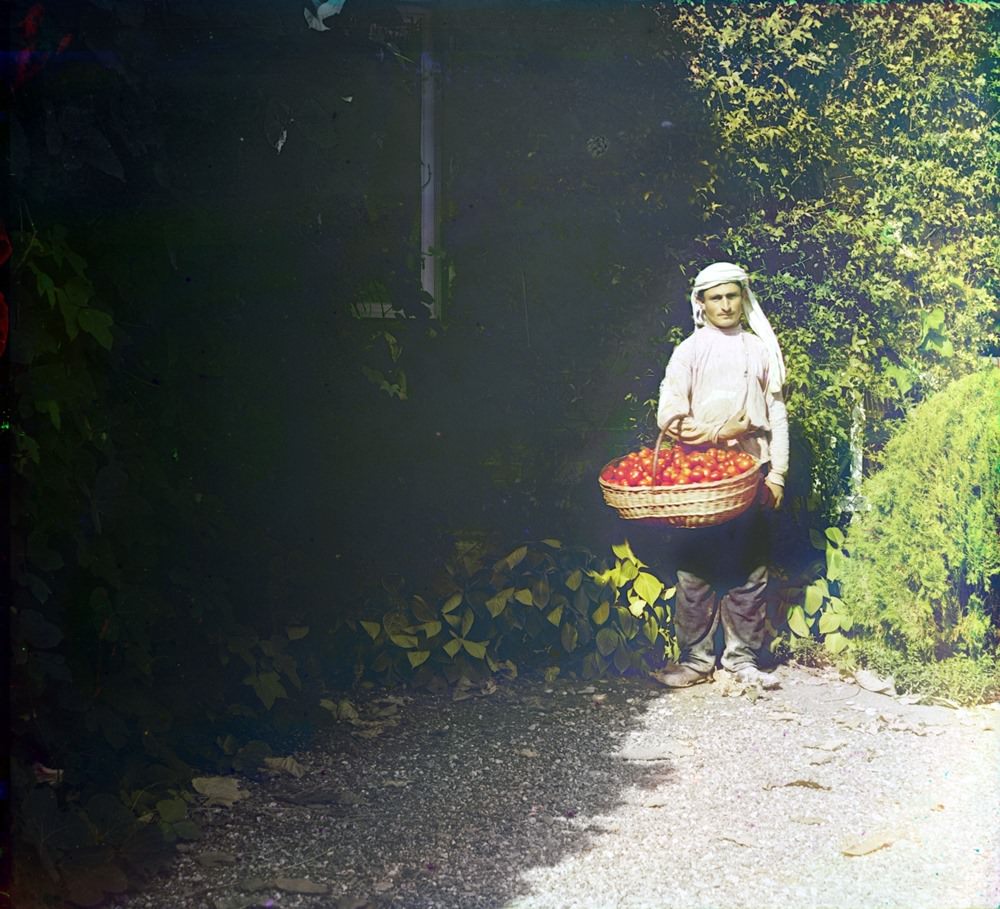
(857, 445)
(430, 266)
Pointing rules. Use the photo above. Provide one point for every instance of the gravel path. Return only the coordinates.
(616, 794)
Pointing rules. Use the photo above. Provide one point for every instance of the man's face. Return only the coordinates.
(723, 304)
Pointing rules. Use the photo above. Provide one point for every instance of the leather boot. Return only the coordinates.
(679, 675)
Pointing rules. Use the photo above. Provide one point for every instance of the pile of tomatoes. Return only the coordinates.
(677, 466)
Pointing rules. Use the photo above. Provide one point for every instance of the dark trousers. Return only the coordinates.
(721, 577)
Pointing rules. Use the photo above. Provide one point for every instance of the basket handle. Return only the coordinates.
(659, 442)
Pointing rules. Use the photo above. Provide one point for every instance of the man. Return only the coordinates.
(723, 386)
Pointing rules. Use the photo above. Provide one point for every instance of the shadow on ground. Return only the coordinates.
(422, 801)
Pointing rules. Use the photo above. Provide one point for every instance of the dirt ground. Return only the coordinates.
(535, 795)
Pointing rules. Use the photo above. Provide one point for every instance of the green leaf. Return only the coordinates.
(452, 647)
(834, 563)
(828, 622)
(636, 604)
(540, 592)
(554, 544)
(555, 616)
(648, 587)
(797, 622)
(933, 320)
(431, 629)
(514, 558)
(452, 603)
(846, 622)
(669, 592)
(574, 580)
(475, 649)
(600, 615)
(523, 596)
(187, 830)
(607, 641)
(624, 551)
(172, 810)
(626, 571)
(423, 610)
(497, 604)
(813, 599)
(651, 629)
(296, 632)
(835, 642)
(835, 535)
(269, 688)
(569, 637)
(97, 324)
(404, 640)
(467, 621)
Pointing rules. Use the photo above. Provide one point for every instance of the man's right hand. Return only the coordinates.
(734, 427)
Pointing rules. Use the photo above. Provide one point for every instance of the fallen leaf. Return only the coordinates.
(828, 745)
(805, 784)
(219, 790)
(807, 819)
(730, 839)
(825, 759)
(786, 715)
(285, 764)
(871, 682)
(299, 885)
(527, 752)
(871, 843)
(397, 784)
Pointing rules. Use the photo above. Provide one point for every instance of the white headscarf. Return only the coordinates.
(725, 273)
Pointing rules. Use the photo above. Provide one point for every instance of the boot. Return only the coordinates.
(679, 675)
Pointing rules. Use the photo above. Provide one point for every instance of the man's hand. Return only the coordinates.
(773, 494)
(734, 427)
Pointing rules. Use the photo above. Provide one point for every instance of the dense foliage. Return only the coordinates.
(541, 606)
(923, 573)
(857, 180)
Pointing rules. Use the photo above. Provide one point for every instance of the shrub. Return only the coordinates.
(923, 576)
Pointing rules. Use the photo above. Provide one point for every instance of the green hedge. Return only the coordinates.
(923, 576)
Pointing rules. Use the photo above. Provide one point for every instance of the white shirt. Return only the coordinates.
(714, 374)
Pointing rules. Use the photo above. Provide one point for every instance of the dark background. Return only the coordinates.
(232, 265)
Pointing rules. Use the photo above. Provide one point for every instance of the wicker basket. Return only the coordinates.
(693, 505)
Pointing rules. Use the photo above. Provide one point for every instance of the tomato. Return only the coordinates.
(715, 474)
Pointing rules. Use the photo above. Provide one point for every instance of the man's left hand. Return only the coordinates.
(774, 494)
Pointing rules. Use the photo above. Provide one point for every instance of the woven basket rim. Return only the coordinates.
(705, 484)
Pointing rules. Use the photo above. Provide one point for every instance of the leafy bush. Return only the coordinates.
(540, 606)
(857, 180)
(923, 572)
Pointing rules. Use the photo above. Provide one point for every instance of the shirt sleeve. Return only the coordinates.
(673, 412)
(778, 417)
